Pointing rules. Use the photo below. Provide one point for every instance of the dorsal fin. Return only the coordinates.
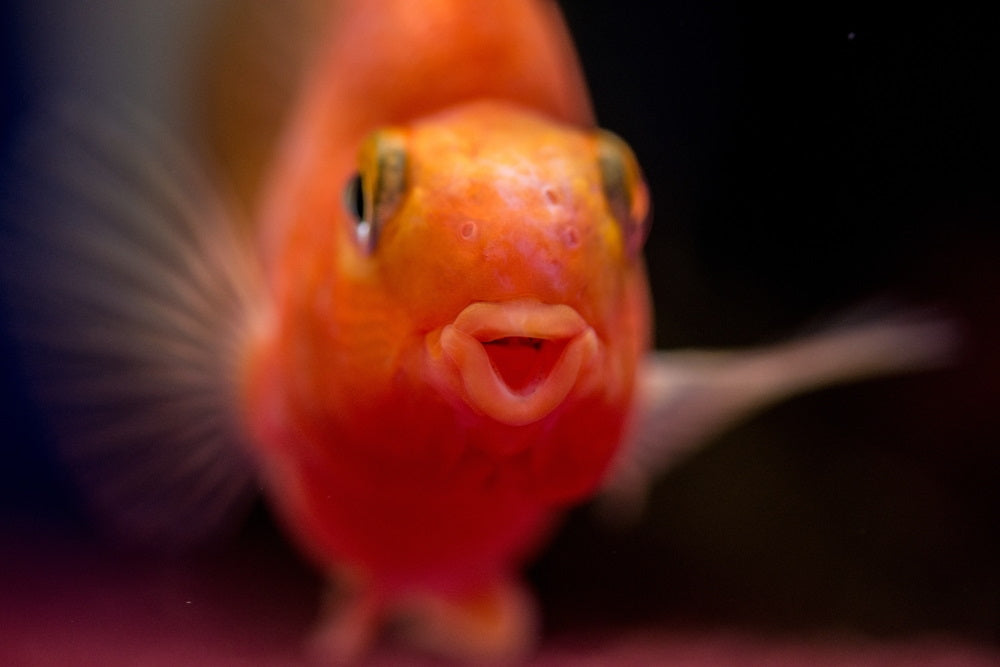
(132, 297)
(432, 55)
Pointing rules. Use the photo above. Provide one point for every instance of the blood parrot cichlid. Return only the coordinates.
(437, 341)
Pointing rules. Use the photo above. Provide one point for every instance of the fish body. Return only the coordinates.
(429, 402)
(427, 397)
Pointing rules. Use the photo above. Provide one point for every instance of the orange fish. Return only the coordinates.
(453, 362)
(438, 344)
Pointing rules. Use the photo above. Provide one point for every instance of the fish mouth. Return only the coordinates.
(518, 360)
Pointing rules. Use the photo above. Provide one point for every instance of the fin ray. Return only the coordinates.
(132, 297)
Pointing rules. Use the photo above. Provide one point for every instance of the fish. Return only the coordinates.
(430, 340)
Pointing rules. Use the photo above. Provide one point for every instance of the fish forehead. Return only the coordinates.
(501, 203)
(503, 150)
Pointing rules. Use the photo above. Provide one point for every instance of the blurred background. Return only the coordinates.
(802, 162)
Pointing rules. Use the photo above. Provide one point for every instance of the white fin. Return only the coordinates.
(132, 298)
(686, 397)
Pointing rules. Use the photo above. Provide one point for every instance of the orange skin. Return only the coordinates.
(387, 448)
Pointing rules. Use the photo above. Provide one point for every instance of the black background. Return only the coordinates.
(804, 161)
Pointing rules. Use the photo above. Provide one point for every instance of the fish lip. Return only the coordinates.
(462, 342)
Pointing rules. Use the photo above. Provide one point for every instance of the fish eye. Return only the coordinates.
(354, 200)
(624, 189)
(373, 194)
(354, 203)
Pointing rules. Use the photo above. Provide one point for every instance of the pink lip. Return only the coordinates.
(464, 342)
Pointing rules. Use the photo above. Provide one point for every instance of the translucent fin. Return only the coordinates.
(686, 397)
(497, 624)
(132, 298)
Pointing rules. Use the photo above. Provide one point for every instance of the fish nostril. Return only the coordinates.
(469, 230)
(551, 195)
(570, 236)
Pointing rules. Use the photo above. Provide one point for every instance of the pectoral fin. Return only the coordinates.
(686, 397)
(132, 298)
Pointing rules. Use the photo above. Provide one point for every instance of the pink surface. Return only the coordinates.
(65, 603)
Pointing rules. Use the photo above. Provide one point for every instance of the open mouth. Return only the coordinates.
(518, 360)
(523, 362)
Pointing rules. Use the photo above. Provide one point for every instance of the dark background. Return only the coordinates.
(802, 161)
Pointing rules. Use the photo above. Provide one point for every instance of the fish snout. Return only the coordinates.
(517, 361)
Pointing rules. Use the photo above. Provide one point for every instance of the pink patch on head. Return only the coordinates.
(570, 236)
(468, 230)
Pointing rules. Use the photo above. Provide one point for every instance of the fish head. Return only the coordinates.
(515, 247)
(486, 267)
